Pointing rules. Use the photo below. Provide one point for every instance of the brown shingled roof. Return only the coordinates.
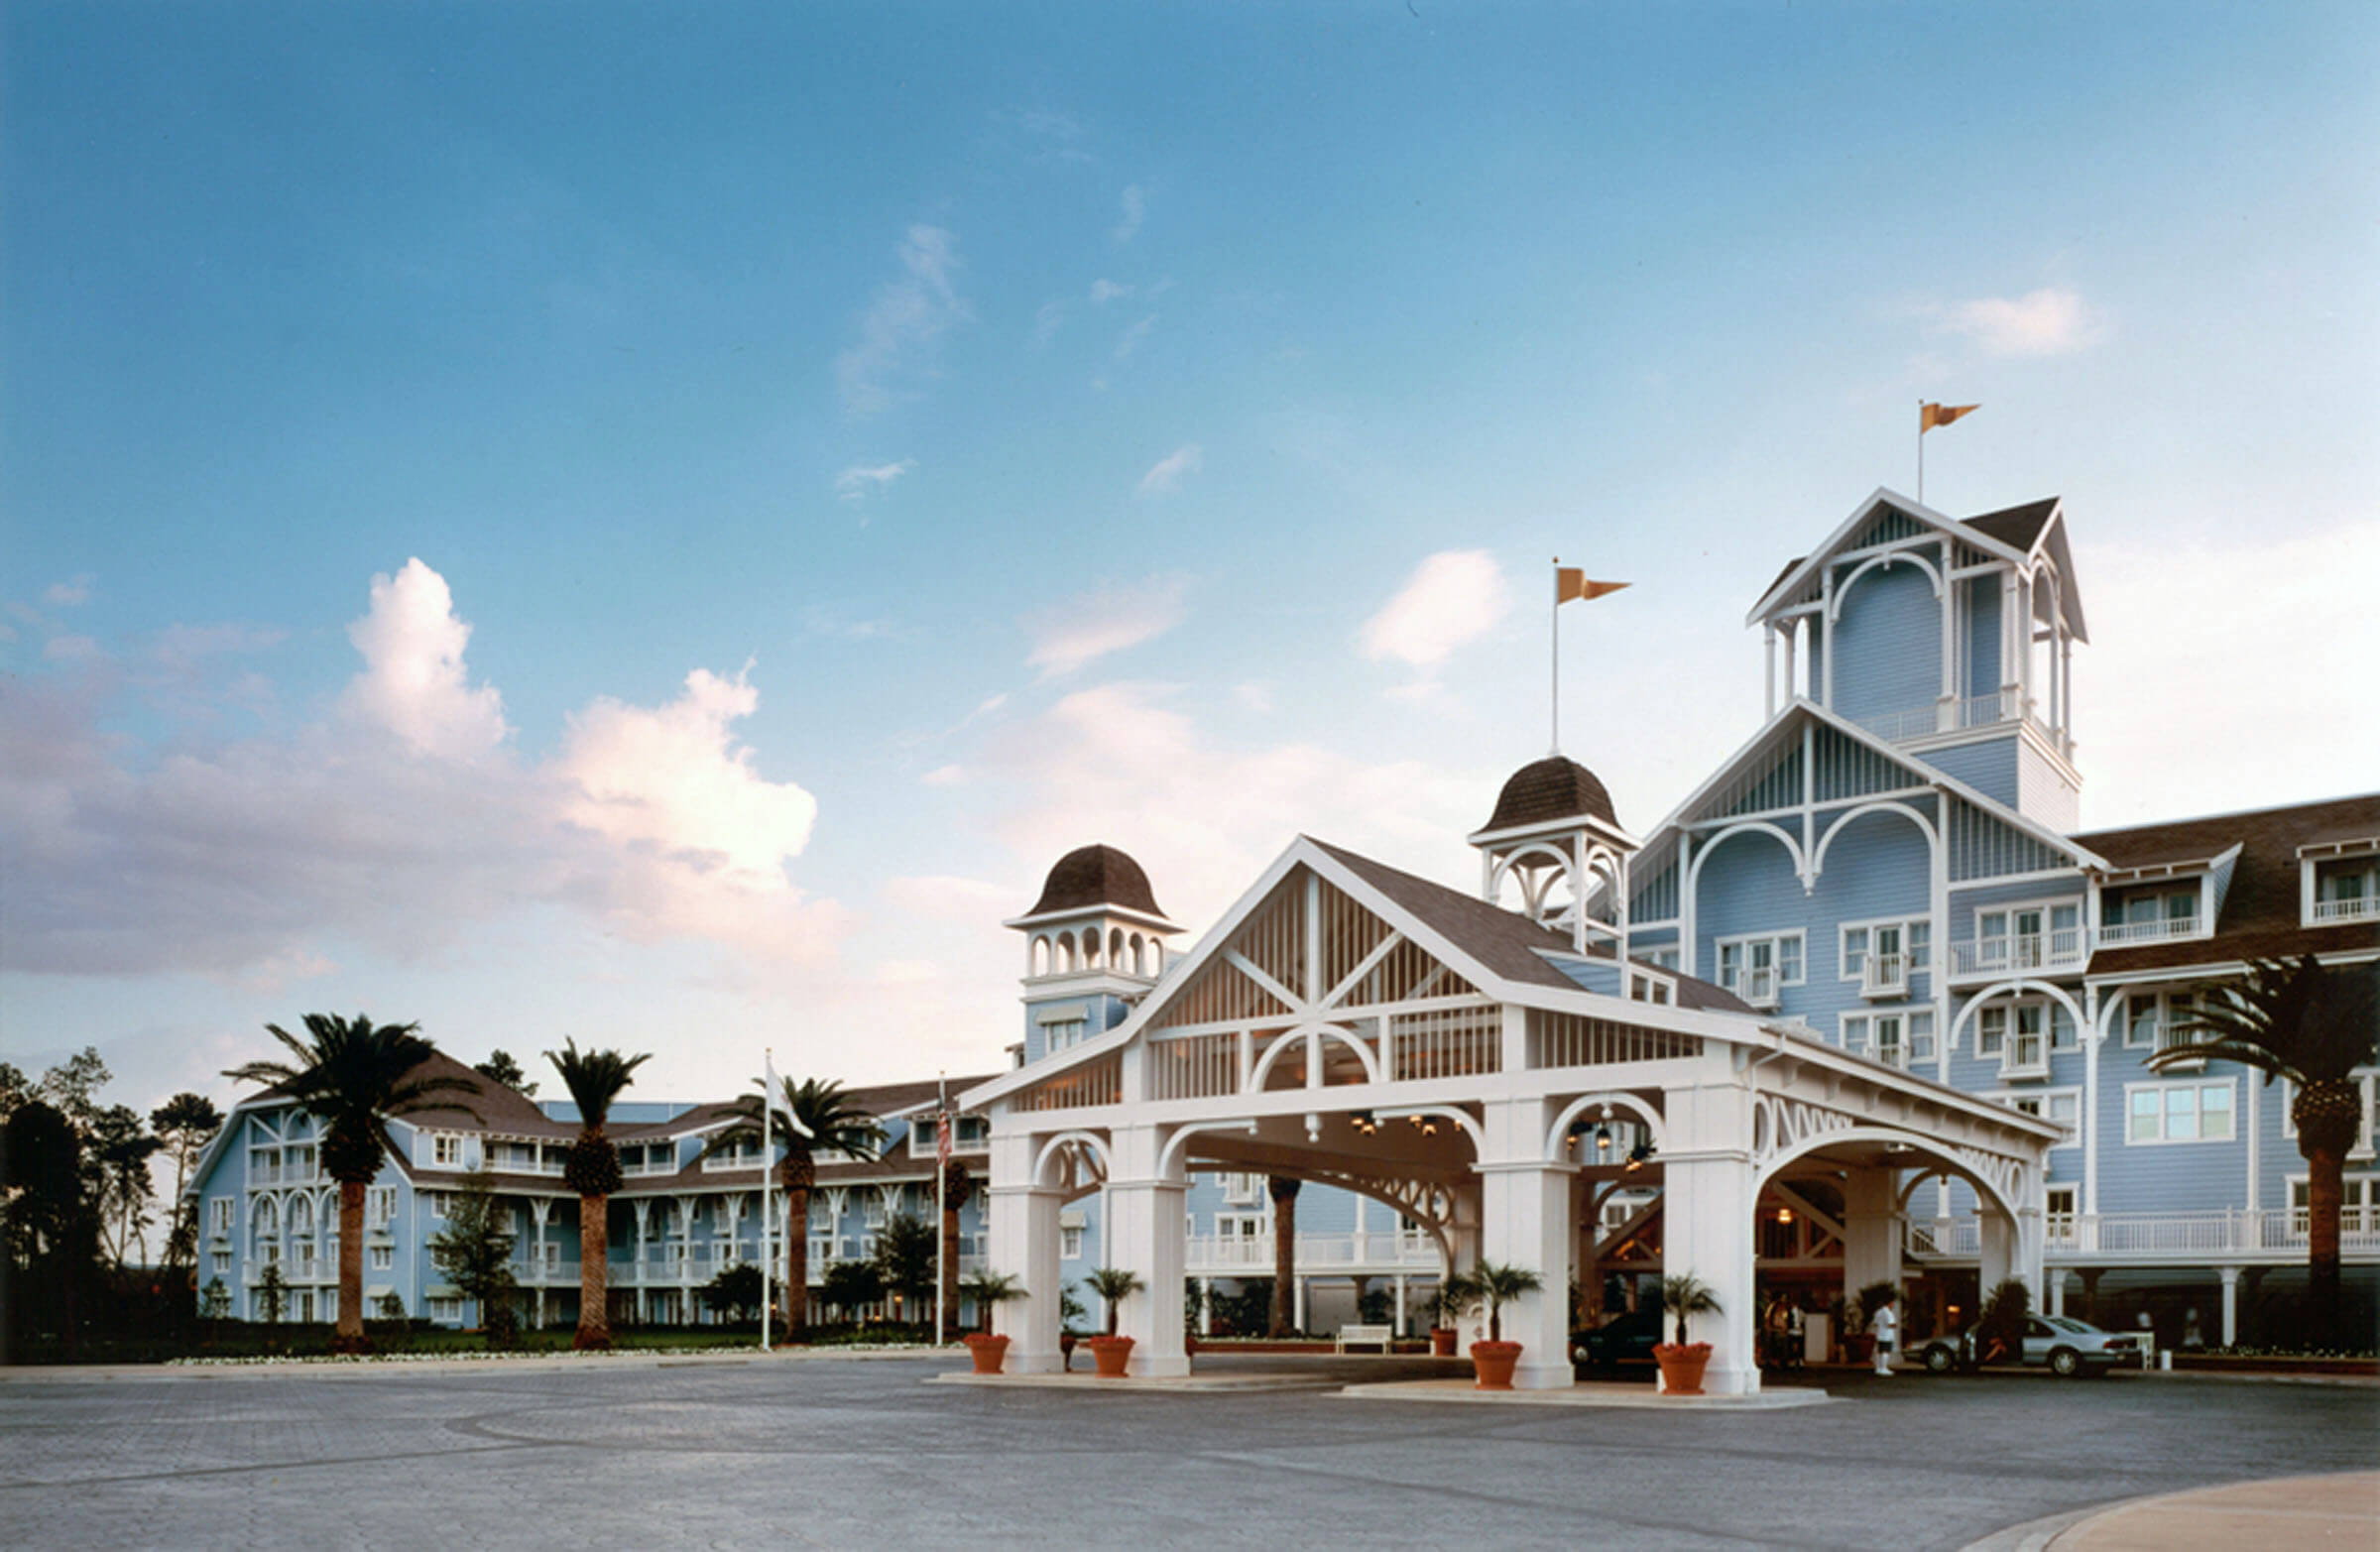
(1096, 875)
(2261, 915)
(2017, 527)
(1507, 942)
(1544, 790)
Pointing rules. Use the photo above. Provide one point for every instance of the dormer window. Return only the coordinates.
(2342, 883)
(2151, 913)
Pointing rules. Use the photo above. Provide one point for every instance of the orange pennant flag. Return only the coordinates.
(1571, 582)
(1932, 416)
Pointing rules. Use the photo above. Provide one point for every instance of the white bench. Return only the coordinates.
(1366, 1336)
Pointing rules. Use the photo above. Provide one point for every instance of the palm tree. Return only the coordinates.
(2314, 1024)
(348, 1075)
(984, 1288)
(809, 1115)
(1686, 1294)
(1283, 1190)
(1115, 1285)
(594, 1079)
(1496, 1286)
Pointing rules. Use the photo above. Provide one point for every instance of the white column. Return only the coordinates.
(1022, 1227)
(1872, 1230)
(1297, 1303)
(1399, 1325)
(1998, 1258)
(1524, 1222)
(1206, 1306)
(1707, 1205)
(1769, 678)
(1792, 635)
(2231, 1276)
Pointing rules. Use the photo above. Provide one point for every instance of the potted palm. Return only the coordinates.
(1112, 1351)
(1495, 1287)
(988, 1288)
(1682, 1362)
(1070, 1310)
(1446, 1307)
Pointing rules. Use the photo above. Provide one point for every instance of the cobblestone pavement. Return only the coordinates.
(823, 1452)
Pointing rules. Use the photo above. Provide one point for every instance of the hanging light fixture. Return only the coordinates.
(1602, 1138)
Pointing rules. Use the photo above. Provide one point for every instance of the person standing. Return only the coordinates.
(1885, 1326)
(1795, 1336)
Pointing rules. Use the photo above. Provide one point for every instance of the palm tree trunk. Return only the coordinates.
(1285, 1263)
(2325, 1193)
(351, 1269)
(797, 1261)
(594, 1292)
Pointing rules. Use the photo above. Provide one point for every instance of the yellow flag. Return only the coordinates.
(1932, 416)
(1571, 582)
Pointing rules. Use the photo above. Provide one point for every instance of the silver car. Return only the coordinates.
(2067, 1346)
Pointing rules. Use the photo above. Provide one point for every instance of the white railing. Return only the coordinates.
(2063, 948)
(1234, 1253)
(1884, 975)
(1758, 988)
(1952, 716)
(2158, 932)
(1893, 726)
(663, 1166)
(2243, 1233)
(2363, 908)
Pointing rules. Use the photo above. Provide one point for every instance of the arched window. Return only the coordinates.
(1040, 960)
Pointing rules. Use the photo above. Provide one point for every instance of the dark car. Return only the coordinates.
(1623, 1339)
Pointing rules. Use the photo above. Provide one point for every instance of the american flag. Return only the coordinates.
(942, 1130)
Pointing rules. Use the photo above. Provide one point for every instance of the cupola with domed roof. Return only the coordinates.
(1554, 834)
(1095, 944)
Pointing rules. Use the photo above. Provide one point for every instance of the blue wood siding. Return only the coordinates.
(1887, 644)
(1747, 886)
(1982, 635)
(1988, 767)
(2044, 795)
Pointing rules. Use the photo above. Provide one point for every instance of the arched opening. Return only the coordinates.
(1039, 964)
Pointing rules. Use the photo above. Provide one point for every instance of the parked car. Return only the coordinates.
(2067, 1346)
(1623, 1339)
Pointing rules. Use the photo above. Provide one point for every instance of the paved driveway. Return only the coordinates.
(848, 1454)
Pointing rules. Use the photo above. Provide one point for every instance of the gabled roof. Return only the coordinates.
(2261, 915)
(2012, 534)
(1771, 736)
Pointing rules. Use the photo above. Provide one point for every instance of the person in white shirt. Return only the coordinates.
(1886, 1327)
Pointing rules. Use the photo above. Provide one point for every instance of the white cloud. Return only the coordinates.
(947, 898)
(2258, 610)
(1105, 291)
(1453, 597)
(1117, 763)
(66, 594)
(860, 481)
(2051, 321)
(1135, 210)
(413, 683)
(902, 322)
(1166, 475)
(250, 859)
(1046, 323)
(1091, 626)
(1130, 340)
(945, 776)
(71, 649)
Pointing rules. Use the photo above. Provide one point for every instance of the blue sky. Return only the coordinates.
(658, 526)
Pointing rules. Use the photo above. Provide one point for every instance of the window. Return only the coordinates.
(2358, 1207)
(2024, 938)
(1754, 968)
(2179, 1111)
(384, 1257)
(1896, 1040)
(2062, 1106)
(436, 1202)
(2149, 915)
(2058, 1219)
(872, 1213)
(218, 1216)
(446, 1150)
(2346, 889)
(1884, 954)
(446, 1312)
(1059, 1034)
(380, 1206)
(1645, 988)
(1070, 1244)
(2020, 1035)
(220, 1260)
(1242, 1189)
(745, 1156)
(1660, 958)
(2154, 1020)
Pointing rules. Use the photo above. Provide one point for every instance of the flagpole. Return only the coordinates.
(941, 1202)
(768, 1258)
(1921, 452)
(1557, 640)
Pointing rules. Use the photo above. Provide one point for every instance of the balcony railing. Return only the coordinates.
(1884, 975)
(1231, 1254)
(2063, 948)
(2364, 908)
(2161, 930)
(1954, 716)
(1758, 988)
(2234, 1233)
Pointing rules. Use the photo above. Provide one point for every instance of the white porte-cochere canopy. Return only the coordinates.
(1352, 1024)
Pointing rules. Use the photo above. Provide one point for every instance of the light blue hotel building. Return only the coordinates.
(1892, 863)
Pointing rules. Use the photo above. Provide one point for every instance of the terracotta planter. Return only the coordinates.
(987, 1351)
(1441, 1341)
(1494, 1362)
(1111, 1353)
(1682, 1366)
